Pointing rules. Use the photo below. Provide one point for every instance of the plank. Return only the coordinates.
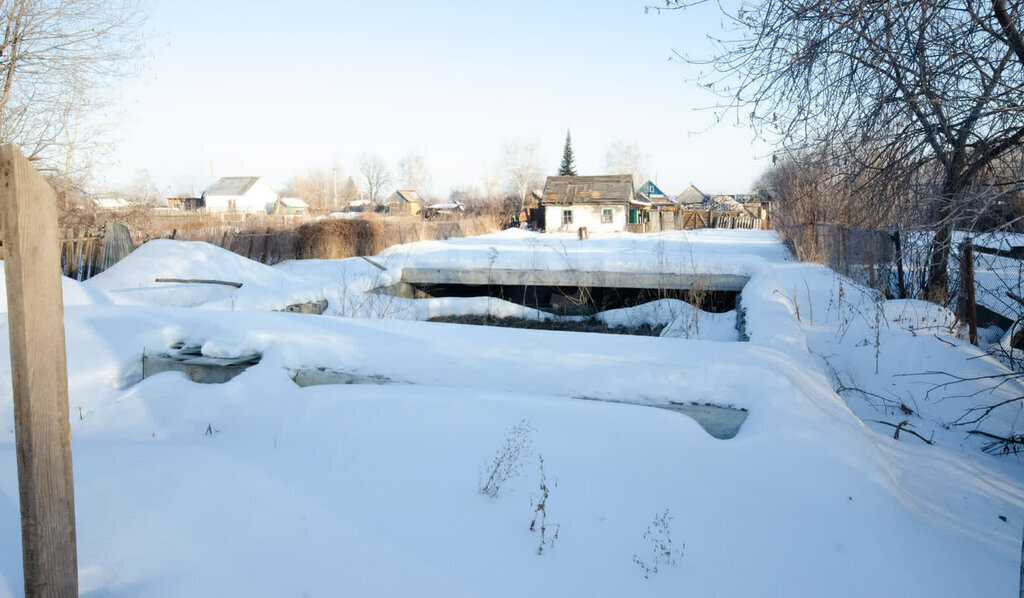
(39, 377)
(237, 285)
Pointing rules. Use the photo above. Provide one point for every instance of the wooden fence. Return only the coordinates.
(665, 220)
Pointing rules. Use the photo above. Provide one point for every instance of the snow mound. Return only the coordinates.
(133, 279)
(917, 315)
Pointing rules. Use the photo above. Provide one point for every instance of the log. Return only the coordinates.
(237, 285)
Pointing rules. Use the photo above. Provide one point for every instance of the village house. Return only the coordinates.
(603, 203)
(248, 194)
(663, 214)
(292, 206)
(692, 199)
(404, 201)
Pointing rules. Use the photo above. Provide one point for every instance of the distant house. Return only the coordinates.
(186, 204)
(112, 203)
(239, 194)
(289, 206)
(663, 209)
(604, 203)
(692, 199)
(404, 201)
(448, 210)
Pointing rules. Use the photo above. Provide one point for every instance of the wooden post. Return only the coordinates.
(42, 430)
(970, 307)
(900, 282)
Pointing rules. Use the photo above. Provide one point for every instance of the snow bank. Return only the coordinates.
(373, 490)
(133, 279)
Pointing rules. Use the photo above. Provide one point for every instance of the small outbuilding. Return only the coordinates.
(448, 210)
(292, 206)
(185, 204)
(404, 201)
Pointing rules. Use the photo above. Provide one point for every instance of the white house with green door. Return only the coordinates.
(604, 203)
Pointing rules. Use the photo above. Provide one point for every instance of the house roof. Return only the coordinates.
(294, 202)
(232, 185)
(451, 205)
(691, 195)
(657, 201)
(407, 195)
(616, 188)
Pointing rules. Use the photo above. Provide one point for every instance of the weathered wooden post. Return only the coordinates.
(966, 304)
(35, 321)
(901, 285)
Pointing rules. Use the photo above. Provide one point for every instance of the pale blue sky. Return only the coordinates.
(275, 88)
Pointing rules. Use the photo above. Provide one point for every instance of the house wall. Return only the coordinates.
(399, 206)
(256, 199)
(588, 215)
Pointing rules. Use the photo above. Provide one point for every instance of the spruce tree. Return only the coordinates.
(568, 167)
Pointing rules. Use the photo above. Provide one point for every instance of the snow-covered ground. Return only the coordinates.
(257, 487)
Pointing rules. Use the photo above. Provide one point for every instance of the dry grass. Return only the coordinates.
(271, 239)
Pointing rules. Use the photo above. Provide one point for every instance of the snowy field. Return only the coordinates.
(257, 487)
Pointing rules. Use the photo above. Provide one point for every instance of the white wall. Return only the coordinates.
(588, 215)
(254, 200)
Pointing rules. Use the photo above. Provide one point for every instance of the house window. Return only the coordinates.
(566, 216)
(606, 216)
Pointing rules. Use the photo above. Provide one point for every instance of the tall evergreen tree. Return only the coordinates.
(568, 167)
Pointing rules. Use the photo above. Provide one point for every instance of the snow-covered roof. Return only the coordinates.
(232, 185)
(112, 203)
(294, 202)
(451, 205)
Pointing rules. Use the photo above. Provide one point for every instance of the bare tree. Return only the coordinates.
(56, 59)
(933, 89)
(376, 175)
(626, 158)
(316, 187)
(414, 174)
(522, 169)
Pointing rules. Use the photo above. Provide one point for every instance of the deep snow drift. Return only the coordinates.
(257, 487)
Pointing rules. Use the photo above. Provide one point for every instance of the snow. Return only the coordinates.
(373, 489)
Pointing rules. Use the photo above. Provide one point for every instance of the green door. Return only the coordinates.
(634, 216)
